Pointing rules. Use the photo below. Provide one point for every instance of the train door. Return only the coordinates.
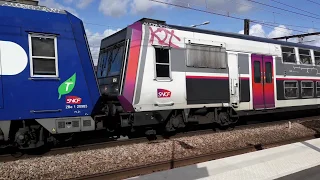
(1, 93)
(233, 78)
(262, 81)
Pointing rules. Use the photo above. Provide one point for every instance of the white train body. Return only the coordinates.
(169, 68)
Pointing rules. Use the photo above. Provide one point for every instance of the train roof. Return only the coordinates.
(219, 33)
(30, 6)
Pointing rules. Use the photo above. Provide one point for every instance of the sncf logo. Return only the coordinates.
(163, 93)
(73, 100)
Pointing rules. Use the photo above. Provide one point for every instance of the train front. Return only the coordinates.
(115, 72)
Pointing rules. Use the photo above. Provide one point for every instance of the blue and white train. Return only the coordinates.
(150, 74)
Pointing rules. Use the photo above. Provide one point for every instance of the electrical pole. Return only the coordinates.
(246, 26)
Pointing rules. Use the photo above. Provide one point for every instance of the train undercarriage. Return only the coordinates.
(29, 134)
(167, 120)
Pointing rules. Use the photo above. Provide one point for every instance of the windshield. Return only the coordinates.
(110, 61)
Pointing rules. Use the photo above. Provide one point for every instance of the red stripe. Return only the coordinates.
(206, 77)
(132, 67)
(213, 77)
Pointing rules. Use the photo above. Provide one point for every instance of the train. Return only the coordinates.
(150, 75)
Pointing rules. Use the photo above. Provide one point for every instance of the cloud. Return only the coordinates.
(68, 1)
(232, 6)
(280, 31)
(95, 41)
(146, 6)
(118, 8)
(53, 4)
(114, 8)
(83, 3)
(312, 40)
(223, 6)
(257, 30)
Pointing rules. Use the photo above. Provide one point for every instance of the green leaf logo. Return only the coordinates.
(67, 86)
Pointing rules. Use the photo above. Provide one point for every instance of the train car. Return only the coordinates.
(47, 81)
(155, 74)
(150, 75)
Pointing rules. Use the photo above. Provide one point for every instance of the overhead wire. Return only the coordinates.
(314, 2)
(235, 1)
(283, 9)
(229, 16)
(266, 23)
(294, 7)
(273, 12)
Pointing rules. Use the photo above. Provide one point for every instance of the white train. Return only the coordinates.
(152, 73)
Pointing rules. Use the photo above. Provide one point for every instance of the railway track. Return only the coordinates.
(175, 163)
(120, 142)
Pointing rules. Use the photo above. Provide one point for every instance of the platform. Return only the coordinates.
(292, 161)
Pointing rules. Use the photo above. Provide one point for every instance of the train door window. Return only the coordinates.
(257, 72)
(268, 72)
(305, 56)
(162, 62)
(307, 89)
(317, 57)
(288, 54)
(318, 88)
(291, 89)
(43, 55)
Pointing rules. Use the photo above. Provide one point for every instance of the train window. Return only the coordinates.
(305, 56)
(162, 62)
(291, 89)
(268, 72)
(306, 89)
(257, 72)
(317, 57)
(111, 60)
(206, 56)
(116, 61)
(318, 89)
(288, 54)
(43, 55)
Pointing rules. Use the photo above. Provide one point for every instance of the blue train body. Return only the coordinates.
(25, 96)
(47, 72)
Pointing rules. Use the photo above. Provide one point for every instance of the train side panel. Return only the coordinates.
(176, 75)
(191, 87)
(46, 71)
(297, 83)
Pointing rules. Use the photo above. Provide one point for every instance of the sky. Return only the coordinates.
(269, 18)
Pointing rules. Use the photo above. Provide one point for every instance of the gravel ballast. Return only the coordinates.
(115, 158)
